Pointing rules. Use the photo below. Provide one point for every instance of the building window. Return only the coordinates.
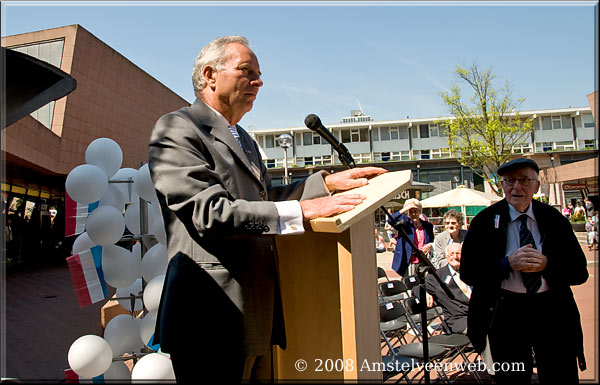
(269, 141)
(444, 130)
(546, 123)
(565, 146)
(440, 153)
(385, 133)
(587, 144)
(355, 135)
(362, 158)
(307, 138)
(345, 136)
(523, 148)
(566, 122)
(543, 147)
(322, 160)
(316, 138)
(433, 130)
(403, 132)
(394, 133)
(556, 123)
(375, 134)
(424, 130)
(270, 163)
(308, 161)
(423, 154)
(588, 121)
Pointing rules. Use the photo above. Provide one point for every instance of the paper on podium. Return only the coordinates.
(380, 190)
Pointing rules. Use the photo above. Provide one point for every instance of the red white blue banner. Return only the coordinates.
(87, 276)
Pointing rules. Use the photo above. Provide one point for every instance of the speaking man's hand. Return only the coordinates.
(331, 205)
(349, 179)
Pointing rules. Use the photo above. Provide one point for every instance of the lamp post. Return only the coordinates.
(418, 172)
(285, 142)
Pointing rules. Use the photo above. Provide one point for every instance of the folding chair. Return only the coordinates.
(393, 320)
(455, 344)
(434, 313)
(391, 291)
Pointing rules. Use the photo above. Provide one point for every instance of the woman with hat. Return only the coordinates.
(418, 230)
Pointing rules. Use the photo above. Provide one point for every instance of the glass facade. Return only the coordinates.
(51, 52)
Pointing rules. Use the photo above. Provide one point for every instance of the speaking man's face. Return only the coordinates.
(237, 84)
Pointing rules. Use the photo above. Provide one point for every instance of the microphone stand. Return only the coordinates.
(425, 266)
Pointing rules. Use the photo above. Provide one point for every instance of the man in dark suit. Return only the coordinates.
(521, 257)
(220, 309)
(455, 310)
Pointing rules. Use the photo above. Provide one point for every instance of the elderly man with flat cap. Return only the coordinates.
(521, 258)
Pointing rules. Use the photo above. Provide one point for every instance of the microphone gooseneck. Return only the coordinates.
(313, 122)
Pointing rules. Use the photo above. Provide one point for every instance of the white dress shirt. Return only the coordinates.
(466, 289)
(514, 282)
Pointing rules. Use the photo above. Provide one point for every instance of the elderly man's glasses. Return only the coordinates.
(522, 181)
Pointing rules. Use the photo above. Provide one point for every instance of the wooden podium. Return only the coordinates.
(328, 279)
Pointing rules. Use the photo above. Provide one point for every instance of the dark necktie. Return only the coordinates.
(532, 281)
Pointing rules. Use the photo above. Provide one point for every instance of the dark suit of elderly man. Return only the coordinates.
(220, 309)
(521, 258)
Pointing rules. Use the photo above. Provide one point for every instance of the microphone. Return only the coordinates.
(313, 122)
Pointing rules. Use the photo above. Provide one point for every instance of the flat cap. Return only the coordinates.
(516, 164)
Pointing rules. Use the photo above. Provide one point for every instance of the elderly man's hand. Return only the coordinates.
(349, 179)
(527, 259)
(331, 205)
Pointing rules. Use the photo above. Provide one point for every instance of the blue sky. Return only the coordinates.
(323, 57)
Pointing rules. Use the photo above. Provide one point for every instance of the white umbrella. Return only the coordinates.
(461, 196)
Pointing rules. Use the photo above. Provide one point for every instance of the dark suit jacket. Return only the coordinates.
(403, 249)
(455, 310)
(216, 201)
(484, 248)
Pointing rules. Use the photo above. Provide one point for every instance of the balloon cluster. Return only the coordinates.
(123, 194)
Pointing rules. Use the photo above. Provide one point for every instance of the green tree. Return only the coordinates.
(482, 136)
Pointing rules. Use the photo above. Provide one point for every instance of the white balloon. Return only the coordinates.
(132, 218)
(89, 356)
(144, 185)
(157, 227)
(105, 225)
(153, 366)
(118, 371)
(155, 262)
(135, 289)
(123, 334)
(120, 267)
(106, 154)
(136, 250)
(147, 325)
(127, 188)
(113, 197)
(152, 293)
(82, 243)
(86, 184)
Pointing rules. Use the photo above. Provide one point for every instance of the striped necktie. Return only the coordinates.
(235, 134)
(532, 281)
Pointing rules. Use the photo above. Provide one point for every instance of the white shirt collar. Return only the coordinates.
(221, 116)
(515, 214)
(452, 271)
